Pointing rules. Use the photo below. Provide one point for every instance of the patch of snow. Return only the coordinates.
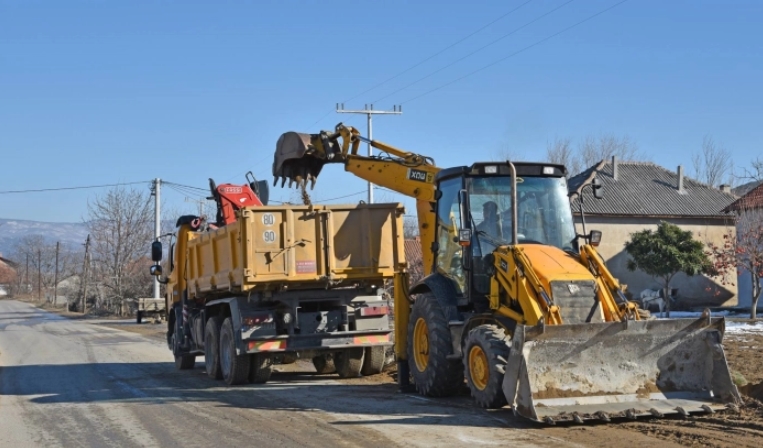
(743, 327)
(693, 314)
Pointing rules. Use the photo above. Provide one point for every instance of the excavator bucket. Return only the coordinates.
(598, 371)
(294, 160)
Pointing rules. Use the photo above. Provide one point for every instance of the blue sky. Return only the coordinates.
(98, 92)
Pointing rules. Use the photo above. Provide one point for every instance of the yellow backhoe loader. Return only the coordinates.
(515, 301)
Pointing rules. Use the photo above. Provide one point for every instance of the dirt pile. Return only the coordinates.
(754, 391)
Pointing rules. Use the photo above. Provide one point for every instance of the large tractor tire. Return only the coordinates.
(324, 364)
(373, 360)
(349, 362)
(260, 368)
(235, 368)
(485, 354)
(212, 348)
(139, 317)
(429, 344)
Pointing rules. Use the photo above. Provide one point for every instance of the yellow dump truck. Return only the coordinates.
(281, 283)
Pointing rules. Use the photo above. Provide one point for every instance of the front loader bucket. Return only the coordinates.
(293, 161)
(623, 369)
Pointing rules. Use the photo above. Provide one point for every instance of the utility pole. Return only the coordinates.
(26, 281)
(200, 202)
(369, 112)
(39, 274)
(156, 191)
(55, 279)
(85, 266)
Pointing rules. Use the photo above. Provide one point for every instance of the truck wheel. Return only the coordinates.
(373, 360)
(260, 368)
(349, 362)
(235, 368)
(185, 362)
(212, 348)
(429, 344)
(485, 353)
(324, 364)
(139, 317)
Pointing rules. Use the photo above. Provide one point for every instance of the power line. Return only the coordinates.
(438, 53)
(477, 50)
(39, 190)
(181, 185)
(516, 52)
(425, 60)
(345, 196)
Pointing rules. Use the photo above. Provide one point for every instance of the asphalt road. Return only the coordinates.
(75, 383)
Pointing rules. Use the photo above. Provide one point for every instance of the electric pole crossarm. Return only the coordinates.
(370, 112)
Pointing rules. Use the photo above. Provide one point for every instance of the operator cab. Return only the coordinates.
(475, 216)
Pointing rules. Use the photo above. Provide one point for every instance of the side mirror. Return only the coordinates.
(594, 238)
(156, 251)
(156, 270)
(596, 187)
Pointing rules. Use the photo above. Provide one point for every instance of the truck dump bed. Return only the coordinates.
(298, 247)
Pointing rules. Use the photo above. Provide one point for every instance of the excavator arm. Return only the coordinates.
(299, 158)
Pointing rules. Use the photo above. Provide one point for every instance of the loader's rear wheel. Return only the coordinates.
(139, 317)
(235, 368)
(324, 364)
(260, 368)
(349, 362)
(212, 348)
(373, 360)
(486, 352)
(429, 344)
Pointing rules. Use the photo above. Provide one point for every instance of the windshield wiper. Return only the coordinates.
(496, 242)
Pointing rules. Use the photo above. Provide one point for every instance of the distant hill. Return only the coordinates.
(12, 230)
(744, 188)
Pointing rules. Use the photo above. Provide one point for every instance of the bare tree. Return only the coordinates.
(121, 226)
(743, 253)
(410, 227)
(752, 174)
(41, 253)
(560, 151)
(592, 149)
(712, 164)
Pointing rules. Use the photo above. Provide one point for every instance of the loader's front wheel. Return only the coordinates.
(429, 344)
(486, 352)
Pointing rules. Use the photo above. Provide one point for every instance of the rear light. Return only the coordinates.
(253, 321)
(374, 311)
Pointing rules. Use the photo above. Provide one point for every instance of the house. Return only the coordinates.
(749, 211)
(415, 259)
(7, 275)
(638, 196)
